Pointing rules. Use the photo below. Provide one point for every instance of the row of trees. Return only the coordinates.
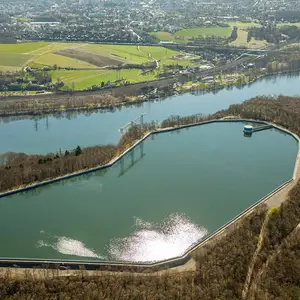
(19, 169)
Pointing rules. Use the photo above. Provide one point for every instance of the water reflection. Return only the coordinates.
(148, 242)
(154, 242)
(68, 246)
(139, 150)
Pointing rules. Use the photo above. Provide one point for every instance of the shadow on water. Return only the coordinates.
(133, 160)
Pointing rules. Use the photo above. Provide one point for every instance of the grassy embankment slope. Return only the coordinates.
(258, 258)
(91, 61)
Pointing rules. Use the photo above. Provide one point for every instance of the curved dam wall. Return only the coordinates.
(141, 266)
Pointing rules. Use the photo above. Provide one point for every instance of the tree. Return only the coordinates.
(78, 151)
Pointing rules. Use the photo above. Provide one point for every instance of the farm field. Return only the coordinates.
(83, 79)
(289, 24)
(242, 25)
(13, 59)
(204, 31)
(82, 58)
(241, 41)
(22, 47)
(182, 36)
(49, 59)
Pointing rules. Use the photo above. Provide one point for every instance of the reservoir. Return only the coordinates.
(167, 194)
(66, 131)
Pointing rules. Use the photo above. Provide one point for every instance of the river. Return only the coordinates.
(49, 134)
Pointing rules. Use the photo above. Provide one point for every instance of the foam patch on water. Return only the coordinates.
(154, 242)
(148, 242)
(69, 246)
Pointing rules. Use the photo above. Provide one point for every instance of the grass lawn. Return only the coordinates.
(134, 54)
(21, 47)
(8, 69)
(124, 53)
(241, 41)
(288, 24)
(13, 59)
(163, 36)
(84, 79)
(204, 31)
(50, 59)
(180, 35)
(23, 19)
(244, 25)
(53, 47)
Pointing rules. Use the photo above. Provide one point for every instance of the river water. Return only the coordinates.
(49, 134)
(167, 194)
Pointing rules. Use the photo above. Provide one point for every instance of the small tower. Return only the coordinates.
(248, 129)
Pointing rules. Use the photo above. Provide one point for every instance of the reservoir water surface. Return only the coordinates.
(167, 194)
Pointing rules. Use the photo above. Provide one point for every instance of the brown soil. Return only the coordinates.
(92, 58)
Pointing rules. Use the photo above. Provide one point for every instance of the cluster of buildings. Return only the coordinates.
(122, 20)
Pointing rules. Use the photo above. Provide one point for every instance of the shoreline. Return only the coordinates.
(99, 107)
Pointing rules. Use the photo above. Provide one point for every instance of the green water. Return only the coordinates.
(164, 196)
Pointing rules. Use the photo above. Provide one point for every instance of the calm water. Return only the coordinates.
(165, 195)
(87, 129)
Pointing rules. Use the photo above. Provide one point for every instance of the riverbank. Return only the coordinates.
(117, 98)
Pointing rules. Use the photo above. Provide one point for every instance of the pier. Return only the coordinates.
(249, 129)
(260, 128)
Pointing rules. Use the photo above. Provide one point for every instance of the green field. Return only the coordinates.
(83, 79)
(289, 24)
(204, 31)
(13, 59)
(241, 41)
(21, 47)
(53, 47)
(244, 25)
(41, 54)
(49, 59)
(182, 36)
(123, 53)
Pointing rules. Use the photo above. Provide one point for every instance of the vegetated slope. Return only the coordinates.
(221, 266)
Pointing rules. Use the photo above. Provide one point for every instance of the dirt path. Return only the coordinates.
(190, 266)
(254, 258)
